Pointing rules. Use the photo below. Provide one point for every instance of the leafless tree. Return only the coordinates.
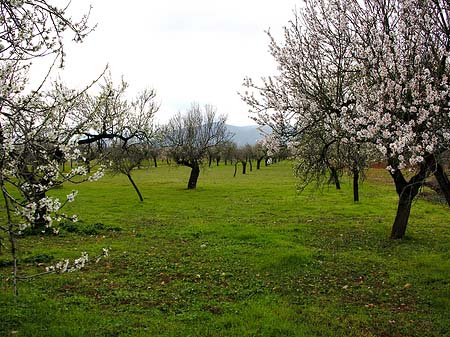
(189, 136)
(124, 159)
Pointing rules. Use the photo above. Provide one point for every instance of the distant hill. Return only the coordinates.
(243, 135)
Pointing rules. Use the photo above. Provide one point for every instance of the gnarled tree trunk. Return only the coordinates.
(440, 175)
(407, 191)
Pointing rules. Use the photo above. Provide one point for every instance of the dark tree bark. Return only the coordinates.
(217, 161)
(440, 175)
(195, 172)
(443, 181)
(355, 185)
(251, 165)
(210, 159)
(258, 163)
(155, 162)
(407, 191)
(334, 178)
(244, 167)
(135, 187)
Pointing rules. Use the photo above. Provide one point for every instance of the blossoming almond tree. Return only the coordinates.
(305, 102)
(121, 128)
(366, 72)
(36, 127)
(401, 48)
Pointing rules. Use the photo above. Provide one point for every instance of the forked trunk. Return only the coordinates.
(195, 172)
(335, 178)
(258, 163)
(407, 191)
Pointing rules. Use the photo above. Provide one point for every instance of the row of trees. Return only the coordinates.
(191, 139)
(363, 77)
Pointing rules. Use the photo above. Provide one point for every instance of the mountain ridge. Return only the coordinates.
(247, 134)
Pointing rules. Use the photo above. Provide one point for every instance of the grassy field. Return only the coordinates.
(243, 256)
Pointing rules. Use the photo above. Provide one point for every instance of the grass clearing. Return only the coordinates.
(243, 256)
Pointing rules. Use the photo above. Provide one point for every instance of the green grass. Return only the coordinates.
(243, 256)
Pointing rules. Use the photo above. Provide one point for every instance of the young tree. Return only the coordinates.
(121, 127)
(189, 136)
(124, 159)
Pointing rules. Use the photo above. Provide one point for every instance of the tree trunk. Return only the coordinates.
(402, 216)
(355, 185)
(251, 165)
(440, 175)
(217, 161)
(244, 167)
(407, 191)
(443, 181)
(258, 163)
(195, 172)
(155, 162)
(335, 178)
(135, 187)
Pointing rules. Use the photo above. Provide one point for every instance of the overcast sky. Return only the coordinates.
(196, 50)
